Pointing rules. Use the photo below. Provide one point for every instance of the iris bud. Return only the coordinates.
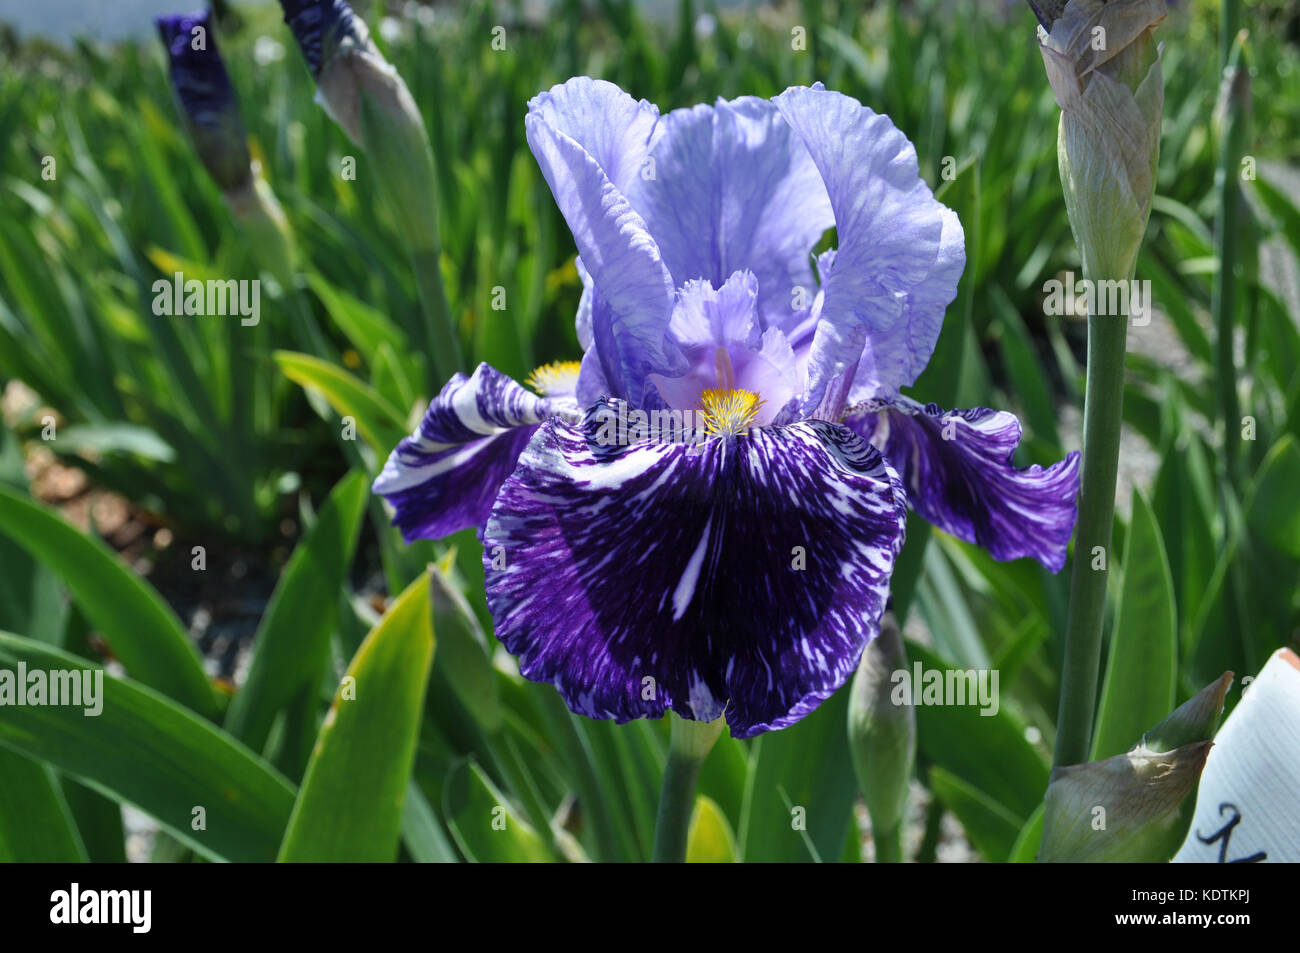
(1193, 720)
(1122, 809)
(882, 733)
(362, 92)
(206, 99)
(1104, 67)
(265, 228)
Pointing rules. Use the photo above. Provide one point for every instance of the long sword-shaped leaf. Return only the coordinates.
(138, 625)
(1142, 668)
(143, 749)
(990, 826)
(36, 824)
(989, 752)
(484, 824)
(292, 643)
(380, 423)
(799, 795)
(350, 805)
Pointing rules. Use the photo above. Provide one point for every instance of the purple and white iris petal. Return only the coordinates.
(958, 471)
(895, 242)
(740, 576)
(581, 133)
(445, 476)
(198, 74)
(207, 100)
(735, 189)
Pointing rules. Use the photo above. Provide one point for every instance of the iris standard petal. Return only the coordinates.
(709, 323)
(891, 233)
(617, 131)
(740, 576)
(583, 319)
(578, 131)
(958, 471)
(734, 188)
(923, 310)
(445, 476)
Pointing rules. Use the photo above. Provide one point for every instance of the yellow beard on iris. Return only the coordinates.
(728, 412)
(558, 377)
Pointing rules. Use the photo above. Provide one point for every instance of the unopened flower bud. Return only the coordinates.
(265, 228)
(207, 102)
(1104, 67)
(1125, 808)
(363, 93)
(1193, 720)
(882, 729)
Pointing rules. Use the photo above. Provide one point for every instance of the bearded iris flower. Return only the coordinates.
(737, 567)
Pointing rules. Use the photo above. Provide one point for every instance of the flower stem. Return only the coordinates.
(929, 849)
(1234, 103)
(688, 747)
(1102, 416)
(889, 845)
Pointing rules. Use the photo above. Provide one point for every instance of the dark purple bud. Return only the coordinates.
(1047, 11)
(206, 98)
(320, 25)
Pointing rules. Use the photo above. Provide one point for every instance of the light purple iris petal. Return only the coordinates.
(923, 310)
(707, 322)
(445, 476)
(588, 136)
(958, 471)
(583, 319)
(617, 131)
(735, 189)
(893, 271)
(705, 317)
(592, 385)
(739, 577)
